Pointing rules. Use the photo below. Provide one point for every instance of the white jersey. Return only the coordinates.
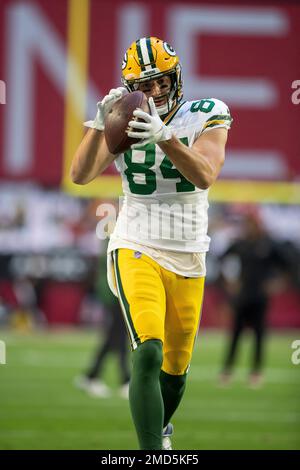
(161, 209)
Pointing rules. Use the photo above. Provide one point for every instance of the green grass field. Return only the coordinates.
(41, 409)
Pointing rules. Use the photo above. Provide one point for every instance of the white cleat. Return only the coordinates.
(93, 387)
(167, 433)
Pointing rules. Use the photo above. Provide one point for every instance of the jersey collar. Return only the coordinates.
(172, 113)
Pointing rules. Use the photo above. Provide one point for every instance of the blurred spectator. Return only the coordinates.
(27, 315)
(19, 298)
(114, 340)
(253, 267)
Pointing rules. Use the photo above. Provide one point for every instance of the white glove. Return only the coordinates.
(105, 106)
(152, 130)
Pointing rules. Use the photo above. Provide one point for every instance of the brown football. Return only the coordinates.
(116, 121)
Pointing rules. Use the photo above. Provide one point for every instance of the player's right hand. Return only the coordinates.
(105, 106)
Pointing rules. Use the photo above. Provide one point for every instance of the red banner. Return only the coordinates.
(247, 56)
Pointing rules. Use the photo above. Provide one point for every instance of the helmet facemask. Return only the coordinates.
(150, 58)
(173, 96)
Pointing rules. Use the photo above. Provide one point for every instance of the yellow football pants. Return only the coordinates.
(159, 304)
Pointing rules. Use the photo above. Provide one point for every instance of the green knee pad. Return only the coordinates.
(147, 358)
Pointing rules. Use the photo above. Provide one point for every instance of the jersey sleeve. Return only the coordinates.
(218, 116)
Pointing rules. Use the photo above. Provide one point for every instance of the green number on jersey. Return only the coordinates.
(202, 106)
(168, 171)
(166, 167)
(143, 169)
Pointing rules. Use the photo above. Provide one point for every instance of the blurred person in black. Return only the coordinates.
(252, 267)
(113, 340)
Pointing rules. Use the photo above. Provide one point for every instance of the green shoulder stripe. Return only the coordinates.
(220, 117)
(216, 123)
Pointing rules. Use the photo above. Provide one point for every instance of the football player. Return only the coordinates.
(156, 254)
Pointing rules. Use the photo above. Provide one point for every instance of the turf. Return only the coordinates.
(41, 409)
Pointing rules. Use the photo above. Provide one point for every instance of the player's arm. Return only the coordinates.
(92, 156)
(201, 163)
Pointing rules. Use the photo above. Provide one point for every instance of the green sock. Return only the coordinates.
(172, 389)
(145, 397)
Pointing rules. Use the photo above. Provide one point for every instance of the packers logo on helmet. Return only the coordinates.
(150, 58)
(169, 49)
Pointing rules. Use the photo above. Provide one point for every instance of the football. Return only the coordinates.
(116, 121)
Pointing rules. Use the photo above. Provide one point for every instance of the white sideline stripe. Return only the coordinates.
(270, 374)
(197, 373)
(190, 414)
(115, 403)
(31, 432)
(239, 417)
(208, 435)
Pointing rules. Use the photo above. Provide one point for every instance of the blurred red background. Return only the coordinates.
(246, 55)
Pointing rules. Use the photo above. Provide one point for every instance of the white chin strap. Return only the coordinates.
(165, 109)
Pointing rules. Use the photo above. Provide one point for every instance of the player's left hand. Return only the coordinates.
(151, 131)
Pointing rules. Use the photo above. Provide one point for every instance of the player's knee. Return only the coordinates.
(176, 363)
(147, 358)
